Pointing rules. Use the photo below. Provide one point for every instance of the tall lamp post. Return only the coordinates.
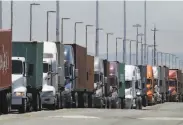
(137, 26)
(32, 4)
(75, 30)
(108, 42)
(148, 46)
(62, 29)
(117, 47)
(47, 24)
(86, 27)
(131, 50)
(141, 35)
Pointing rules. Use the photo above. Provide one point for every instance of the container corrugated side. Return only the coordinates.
(5, 63)
(122, 79)
(90, 73)
(33, 52)
(80, 63)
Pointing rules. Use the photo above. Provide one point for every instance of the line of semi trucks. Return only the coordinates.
(36, 75)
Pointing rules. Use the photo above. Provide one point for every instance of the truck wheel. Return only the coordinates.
(85, 98)
(23, 107)
(5, 108)
(101, 103)
(76, 100)
(118, 103)
(110, 103)
(140, 102)
(93, 102)
(106, 102)
(58, 102)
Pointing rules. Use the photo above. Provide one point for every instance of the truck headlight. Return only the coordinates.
(19, 93)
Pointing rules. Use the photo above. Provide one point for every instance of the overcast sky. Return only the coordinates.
(166, 15)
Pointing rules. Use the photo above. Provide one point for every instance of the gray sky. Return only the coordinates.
(166, 16)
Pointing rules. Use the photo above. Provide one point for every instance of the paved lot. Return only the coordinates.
(161, 114)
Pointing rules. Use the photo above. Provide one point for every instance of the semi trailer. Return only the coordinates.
(27, 72)
(5, 70)
(53, 75)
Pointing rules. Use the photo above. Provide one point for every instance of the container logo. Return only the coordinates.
(4, 60)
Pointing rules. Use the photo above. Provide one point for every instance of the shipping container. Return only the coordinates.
(90, 73)
(106, 74)
(33, 53)
(80, 64)
(122, 80)
(5, 59)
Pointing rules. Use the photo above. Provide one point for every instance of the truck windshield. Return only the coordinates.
(17, 67)
(46, 67)
(112, 81)
(128, 84)
(172, 83)
(96, 78)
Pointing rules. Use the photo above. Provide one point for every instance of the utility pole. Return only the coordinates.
(124, 37)
(145, 23)
(12, 16)
(57, 21)
(154, 30)
(97, 27)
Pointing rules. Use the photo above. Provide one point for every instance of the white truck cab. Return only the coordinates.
(156, 73)
(50, 75)
(132, 90)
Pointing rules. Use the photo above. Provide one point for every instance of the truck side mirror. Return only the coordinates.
(76, 73)
(105, 80)
(59, 71)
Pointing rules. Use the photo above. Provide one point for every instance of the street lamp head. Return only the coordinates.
(51, 11)
(119, 38)
(137, 25)
(65, 18)
(34, 4)
(89, 25)
(78, 22)
(99, 29)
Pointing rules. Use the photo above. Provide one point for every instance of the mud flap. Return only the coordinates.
(143, 101)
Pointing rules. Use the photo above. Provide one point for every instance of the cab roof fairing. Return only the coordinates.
(113, 69)
(130, 72)
(68, 54)
(18, 58)
(98, 65)
(156, 72)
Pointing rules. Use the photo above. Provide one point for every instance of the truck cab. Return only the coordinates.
(51, 70)
(150, 85)
(97, 100)
(132, 88)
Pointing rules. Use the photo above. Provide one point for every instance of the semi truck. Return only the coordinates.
(174, 83)
(165, 83)
(143, 72)
(53, 75)
(116, 81)
(157, 82)
(5, 70)
(132, 88)
(98, 98)
(27, 75)
(150, 85)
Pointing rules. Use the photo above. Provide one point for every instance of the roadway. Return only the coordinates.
(160, 114)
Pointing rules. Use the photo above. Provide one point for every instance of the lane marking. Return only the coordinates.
(162, 118)
(75, 117)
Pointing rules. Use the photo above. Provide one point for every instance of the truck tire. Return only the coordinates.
(118, 103)
(110, 103)
(93, 102)
(23, 107)
(76, 100)
(5, 107)
(106, 102)
(58, 102)
(37, 103)
(85, 98)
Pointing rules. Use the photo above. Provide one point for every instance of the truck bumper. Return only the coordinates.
(48, 100)
(16, 101)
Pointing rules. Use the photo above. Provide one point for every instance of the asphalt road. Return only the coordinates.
(160, 114)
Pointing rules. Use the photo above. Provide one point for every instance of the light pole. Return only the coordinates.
(87, 35)
(47, 23)
(62, 29)
(108, 41)
(32, 4)
(97, 41)
(137, 26)
(12, 16)
(117, 47)
(75, 30)
(148, 46)
(131, 50)
(141, 34)
(176, 62)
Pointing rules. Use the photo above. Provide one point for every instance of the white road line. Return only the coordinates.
(75, 117)
(162, 118)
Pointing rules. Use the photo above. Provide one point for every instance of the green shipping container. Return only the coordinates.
(121, 80)
(33, 53)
